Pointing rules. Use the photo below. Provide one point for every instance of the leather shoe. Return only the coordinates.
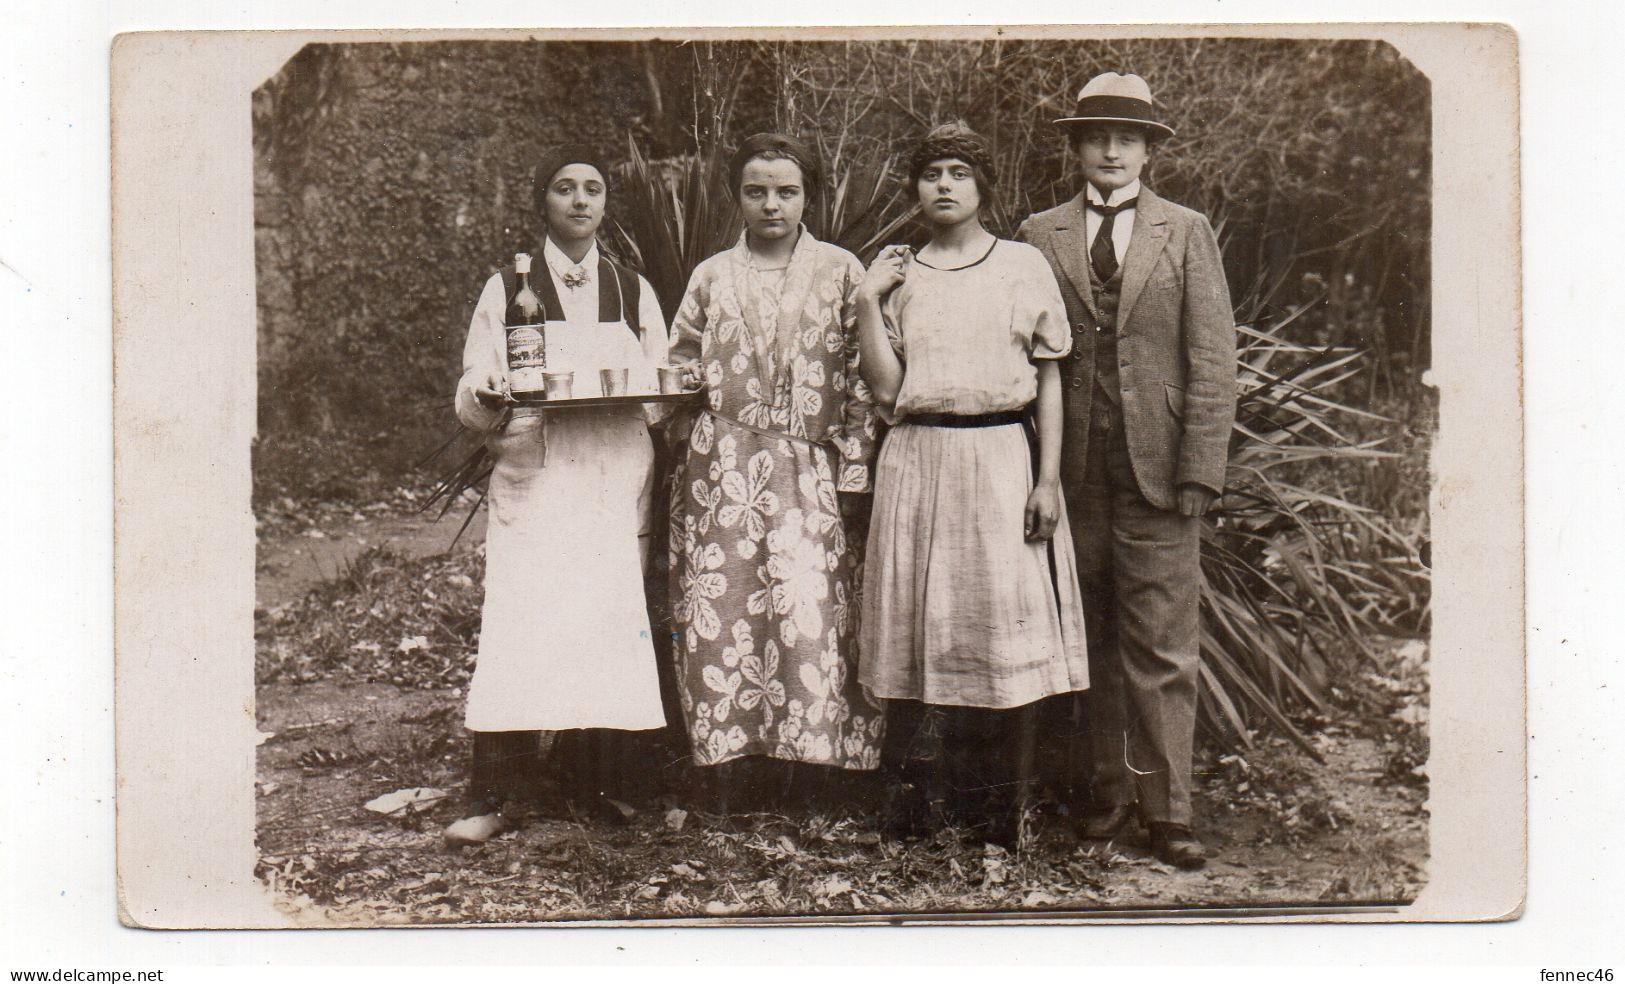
(1107, 824)
(1173, 843)
(470, 831)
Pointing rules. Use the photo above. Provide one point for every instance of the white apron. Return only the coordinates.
(564, 635)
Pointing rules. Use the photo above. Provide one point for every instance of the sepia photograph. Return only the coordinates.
(898, 476)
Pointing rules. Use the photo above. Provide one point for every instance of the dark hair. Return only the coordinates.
(774, 147)
(1076, 131)
(955, 141)
(556, 160)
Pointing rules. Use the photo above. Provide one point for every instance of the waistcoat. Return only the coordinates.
(1106, 297)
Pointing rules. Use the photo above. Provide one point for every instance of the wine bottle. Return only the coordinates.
(527, 338)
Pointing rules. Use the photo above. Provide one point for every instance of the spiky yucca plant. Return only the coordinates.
(1296, 573)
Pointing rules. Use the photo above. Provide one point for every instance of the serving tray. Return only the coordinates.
(629, 399)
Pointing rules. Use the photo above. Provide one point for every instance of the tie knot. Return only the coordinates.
(1109, 210)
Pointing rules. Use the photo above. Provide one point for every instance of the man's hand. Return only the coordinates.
(1195, 500)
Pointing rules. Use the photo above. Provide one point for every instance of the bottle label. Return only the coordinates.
(527, 358)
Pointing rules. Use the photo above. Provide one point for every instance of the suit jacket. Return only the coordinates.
(1176, 344)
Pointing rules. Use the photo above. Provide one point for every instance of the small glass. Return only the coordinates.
(612, 381)
(560, 384)
(671, 379)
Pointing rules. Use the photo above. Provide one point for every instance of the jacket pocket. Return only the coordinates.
(1176, 399)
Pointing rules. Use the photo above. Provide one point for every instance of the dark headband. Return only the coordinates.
(953, 141)
(556, 160)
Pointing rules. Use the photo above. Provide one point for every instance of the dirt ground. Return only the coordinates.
(1283, 830)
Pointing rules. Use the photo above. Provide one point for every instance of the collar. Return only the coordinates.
(804, 245)
(1123, 194)
(559, 263)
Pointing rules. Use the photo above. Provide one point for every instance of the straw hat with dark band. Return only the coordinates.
(1114, 98)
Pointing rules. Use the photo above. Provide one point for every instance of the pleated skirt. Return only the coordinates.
(958, 607)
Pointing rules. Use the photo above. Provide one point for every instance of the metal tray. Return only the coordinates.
(630, 399)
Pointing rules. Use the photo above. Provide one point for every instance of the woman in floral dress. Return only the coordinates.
(765, 600)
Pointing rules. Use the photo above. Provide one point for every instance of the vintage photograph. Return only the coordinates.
(874, 477)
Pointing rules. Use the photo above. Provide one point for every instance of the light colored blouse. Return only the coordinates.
(485, 351)
(969, 337)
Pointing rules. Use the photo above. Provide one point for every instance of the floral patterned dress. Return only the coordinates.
(765, 590)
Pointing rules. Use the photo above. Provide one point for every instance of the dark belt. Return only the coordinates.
(964, 420)
(998, 420)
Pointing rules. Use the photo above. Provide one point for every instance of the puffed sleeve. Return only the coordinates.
(1044, 309)
(891, 316)
(484, 353)
(856, 440)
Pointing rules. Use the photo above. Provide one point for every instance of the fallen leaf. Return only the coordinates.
(831, 886)
(675, 819)
(401, 800)
(715, 908)
(993, 872)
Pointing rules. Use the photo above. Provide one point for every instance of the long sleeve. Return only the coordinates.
(688, 326)
(686, 342)
(856, 440)
(1210, 352)
(656, 342)
(483, 352)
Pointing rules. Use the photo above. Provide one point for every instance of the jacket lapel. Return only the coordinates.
(1072, 249)
(1150, 235)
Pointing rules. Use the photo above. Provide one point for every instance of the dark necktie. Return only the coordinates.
(1102, 253)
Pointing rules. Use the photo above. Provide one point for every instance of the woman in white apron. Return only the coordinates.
(564, 635)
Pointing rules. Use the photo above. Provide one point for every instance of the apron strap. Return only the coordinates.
(618, 292)
(543, 285)
(628, 294)
(609, 290)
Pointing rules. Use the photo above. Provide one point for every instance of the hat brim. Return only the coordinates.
(1162, 129)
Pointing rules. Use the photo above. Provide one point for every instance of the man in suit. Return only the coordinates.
(1149, 391)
